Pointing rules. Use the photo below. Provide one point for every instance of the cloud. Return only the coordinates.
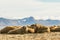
(26, 8)
(49, 0)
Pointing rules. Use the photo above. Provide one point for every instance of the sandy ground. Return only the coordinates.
(38, 36)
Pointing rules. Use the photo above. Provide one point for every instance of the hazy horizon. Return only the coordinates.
(41, 18)
(39, 9)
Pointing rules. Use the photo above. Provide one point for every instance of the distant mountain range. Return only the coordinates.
(27, 21)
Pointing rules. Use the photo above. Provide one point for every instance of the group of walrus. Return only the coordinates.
(34, 28)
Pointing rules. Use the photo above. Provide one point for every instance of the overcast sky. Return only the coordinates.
(39, 9)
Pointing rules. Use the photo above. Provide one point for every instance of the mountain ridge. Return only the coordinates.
(27, 21)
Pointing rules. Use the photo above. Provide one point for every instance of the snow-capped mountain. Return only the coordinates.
(27, 21)
(48, 22)
(16, 22)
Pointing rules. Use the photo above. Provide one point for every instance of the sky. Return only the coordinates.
(39, 9)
